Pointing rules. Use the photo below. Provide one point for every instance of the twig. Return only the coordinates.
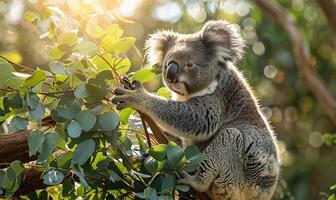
(17, 64)
(302, 55)
(146, 131)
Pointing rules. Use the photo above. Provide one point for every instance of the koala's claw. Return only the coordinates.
(121, 106)
(137, 84)
(120, 91)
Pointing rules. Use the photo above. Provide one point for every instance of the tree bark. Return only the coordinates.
(329, 9)
(31, 181)
(302, 55)
(14, 147)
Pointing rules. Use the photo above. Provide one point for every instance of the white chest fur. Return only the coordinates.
(208, 90)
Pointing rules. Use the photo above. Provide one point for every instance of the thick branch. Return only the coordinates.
(302, 55)
(329, 10)
(31, 181)
(14, 147)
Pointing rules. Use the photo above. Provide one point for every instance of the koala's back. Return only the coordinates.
(246, 162)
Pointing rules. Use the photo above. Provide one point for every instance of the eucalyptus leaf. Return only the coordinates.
(159, 152)
(57, 67)
(35, 141)
(68, 38)
(7, 78)
(81, 179)
(19, 123)
(143, 75)
(86, 119)
(109, 121)
(37, 77)
(168, 183)
(14, 100)
(32, 100)
(86, 48)
(83, 152)
(151, 164)
(47, 147)
(81, 92)
(74, 129)
(53, 177)
(38, 112)
(174, 154)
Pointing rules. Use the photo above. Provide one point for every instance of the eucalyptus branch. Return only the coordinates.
(17, 64)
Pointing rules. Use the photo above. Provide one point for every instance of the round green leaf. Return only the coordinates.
(193, 162)
(81, 91)
(114, 30)
(86, 48)
(53, 177)
(122, 65)
(38, 112)
(14, 100)
(32, 100)
(158, 152)
(68, 38)
(74, 129)
(164, 92)
(86, 119)
(19, 123)
(57, 67)
(37, 77)
(7, 78)
(124, 115)
(151, 164)
(48, 146)
(109, 43)
(35, 141)
(174, 154)
(109, 121)
(64, 160)
(191, 151)
(81, 179)
(124, 44)
(83, 152)
(143, 75)
(168, 183)
(93, 29)
(69, 109)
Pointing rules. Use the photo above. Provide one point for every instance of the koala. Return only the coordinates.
(212, 107)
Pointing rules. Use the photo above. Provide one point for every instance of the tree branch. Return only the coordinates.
(329, 9)
(14, 147)
(302, 55)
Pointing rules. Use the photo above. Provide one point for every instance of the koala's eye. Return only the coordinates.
(189, 64)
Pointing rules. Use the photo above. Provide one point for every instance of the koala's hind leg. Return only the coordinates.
(220, 174)
(203, 178)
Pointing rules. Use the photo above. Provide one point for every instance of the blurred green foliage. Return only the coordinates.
(28, 36)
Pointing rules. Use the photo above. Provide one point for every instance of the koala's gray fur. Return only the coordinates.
(213, 108)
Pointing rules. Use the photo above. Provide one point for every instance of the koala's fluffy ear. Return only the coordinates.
(158, 44)
(225, 39)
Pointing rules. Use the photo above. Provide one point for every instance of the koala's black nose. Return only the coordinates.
(172, 72)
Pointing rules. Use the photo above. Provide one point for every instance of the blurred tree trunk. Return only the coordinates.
(329, 9)
(302, 54)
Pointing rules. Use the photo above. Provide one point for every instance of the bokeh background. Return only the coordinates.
(309, 166)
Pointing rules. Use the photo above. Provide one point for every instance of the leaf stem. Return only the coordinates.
(17, 64)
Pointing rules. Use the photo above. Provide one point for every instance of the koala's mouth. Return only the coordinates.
(179, 88)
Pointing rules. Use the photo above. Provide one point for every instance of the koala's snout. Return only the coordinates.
(172, 72)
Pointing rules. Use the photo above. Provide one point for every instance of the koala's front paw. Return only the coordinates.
(129, 98)
(187, 178)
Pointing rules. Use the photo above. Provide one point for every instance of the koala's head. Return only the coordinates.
(191, 62)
